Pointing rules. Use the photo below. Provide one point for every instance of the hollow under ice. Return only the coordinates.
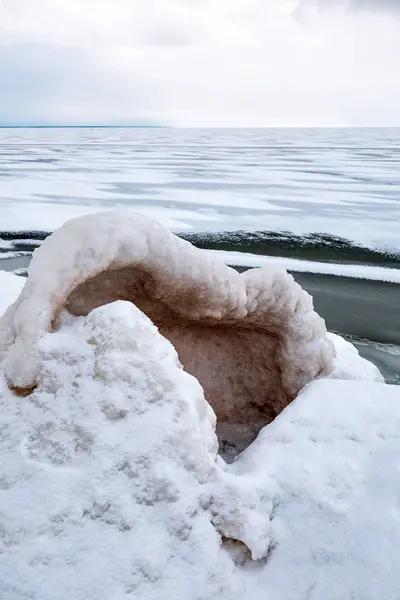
(111, 485)
(252, 340)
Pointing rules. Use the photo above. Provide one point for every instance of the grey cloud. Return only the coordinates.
(39, 78)
(167, 37)
(355, 5)
(160, 73)
(375, 5)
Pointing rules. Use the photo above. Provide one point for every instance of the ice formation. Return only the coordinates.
(111, 486)
(110, 468)
(253, 340)
(348, 364)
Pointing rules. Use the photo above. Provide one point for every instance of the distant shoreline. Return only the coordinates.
(83, 126)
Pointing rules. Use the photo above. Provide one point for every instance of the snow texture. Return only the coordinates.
(348, 364)
(330, 464)
(110, 481)
(111, 486)
(10, 288)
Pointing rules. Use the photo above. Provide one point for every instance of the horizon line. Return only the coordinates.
(154, 126)
(89, 126)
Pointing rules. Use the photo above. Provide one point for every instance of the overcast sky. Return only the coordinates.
(200, 62)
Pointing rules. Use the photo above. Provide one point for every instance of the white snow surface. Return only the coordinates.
(10, 288)
(111, 487)
(37, 216)
(348, 364)
(110, 482)
(330, 463)
(246, 259)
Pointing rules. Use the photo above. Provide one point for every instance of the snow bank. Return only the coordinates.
(111, 486)
(10, 288)
(246, 259)
(330, 463)
(260, 325)
(348, 364)
(110, 483)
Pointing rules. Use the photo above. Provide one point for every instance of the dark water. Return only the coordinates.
(365, 312)
(357, 307)
(314, 246)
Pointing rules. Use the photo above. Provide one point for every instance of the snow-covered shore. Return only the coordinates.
(111, 485)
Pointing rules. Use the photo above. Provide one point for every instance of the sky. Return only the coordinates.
(200, 63)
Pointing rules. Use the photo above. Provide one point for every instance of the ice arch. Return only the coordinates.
(253, 340)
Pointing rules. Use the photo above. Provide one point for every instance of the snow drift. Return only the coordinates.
(253, 340)
(110, 483)
(111, 486)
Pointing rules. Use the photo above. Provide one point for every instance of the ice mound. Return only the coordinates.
(252, 340)
(330, 463)
(111, 486)
(348, 364)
